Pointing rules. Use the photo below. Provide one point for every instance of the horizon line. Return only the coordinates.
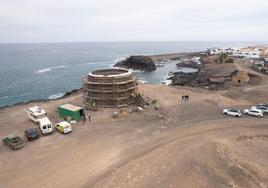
(126, 41)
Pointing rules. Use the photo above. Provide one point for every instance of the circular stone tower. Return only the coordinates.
(109, 88)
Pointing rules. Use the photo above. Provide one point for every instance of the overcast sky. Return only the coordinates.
(133, 20)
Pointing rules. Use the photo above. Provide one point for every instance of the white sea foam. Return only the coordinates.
(135, 70)
(91, 63)
(119, 59)
(23, 94)
(142, 81)
(48, 69)
(43, 70)
(56, 96)
(94, 63)
(4, 97)
(166, 82)
(112, 65)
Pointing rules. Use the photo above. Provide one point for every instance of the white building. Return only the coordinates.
(214, 51)
(251, 54)
(230, 51)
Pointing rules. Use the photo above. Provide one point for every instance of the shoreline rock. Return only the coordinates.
(182, 79)
(188, 64)
(144, 63)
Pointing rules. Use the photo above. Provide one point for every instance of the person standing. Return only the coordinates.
(89, 117)
(84, 119)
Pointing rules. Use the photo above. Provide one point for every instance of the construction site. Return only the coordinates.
(109, 88)
(186, 142)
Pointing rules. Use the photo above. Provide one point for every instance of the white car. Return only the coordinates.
(257, 113)
(260, 108)
(232, 112)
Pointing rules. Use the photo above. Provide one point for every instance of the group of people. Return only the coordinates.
(86, 118)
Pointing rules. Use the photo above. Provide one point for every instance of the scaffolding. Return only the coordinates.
(109, 88)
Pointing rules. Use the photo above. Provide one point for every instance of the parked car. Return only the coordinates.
(64, 127)
(262, 105)
(232, 112)
(13, 141)
(45, 126)
(261, 108)
(257, 113)
(31, 134)
(36, 113)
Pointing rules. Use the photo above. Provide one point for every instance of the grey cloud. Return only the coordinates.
(119, 20)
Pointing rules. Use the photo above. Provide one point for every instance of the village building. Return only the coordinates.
(250, 54)
(214, 51)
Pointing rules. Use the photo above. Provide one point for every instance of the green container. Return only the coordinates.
(72, 111)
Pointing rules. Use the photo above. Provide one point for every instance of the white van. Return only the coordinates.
(36, 113)
(45, 126)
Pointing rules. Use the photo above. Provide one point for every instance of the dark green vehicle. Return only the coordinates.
(13, 141)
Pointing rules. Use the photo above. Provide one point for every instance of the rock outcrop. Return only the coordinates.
(144, 63)
(181, 78)
(188, 64)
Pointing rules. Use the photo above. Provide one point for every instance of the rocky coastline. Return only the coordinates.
(186, 78)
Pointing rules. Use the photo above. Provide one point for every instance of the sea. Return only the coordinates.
(33, 71)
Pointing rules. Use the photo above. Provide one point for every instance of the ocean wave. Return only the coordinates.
(56, 96)
(112, 65)
(48, 69)
(166, 82)
(94, 63)
(119, 59)
(23, 94)
(142, 81)
(136, 70)
(4, 97)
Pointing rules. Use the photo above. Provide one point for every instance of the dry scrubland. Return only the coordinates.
(184, 144)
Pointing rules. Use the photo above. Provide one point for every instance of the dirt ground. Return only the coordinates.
(183, 144)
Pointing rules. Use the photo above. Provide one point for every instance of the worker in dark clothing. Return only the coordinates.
(84, 119)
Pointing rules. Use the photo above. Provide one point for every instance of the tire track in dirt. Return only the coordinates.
(169, 139)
